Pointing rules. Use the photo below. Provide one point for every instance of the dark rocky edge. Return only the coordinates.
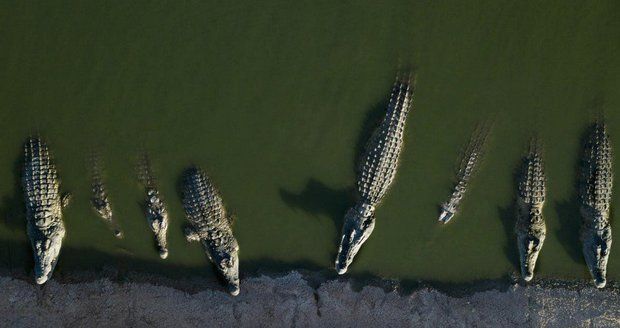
(302, 298)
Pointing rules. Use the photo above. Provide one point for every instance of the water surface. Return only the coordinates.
(275, 100)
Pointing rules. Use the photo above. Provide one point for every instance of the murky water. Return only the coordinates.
(275, 100)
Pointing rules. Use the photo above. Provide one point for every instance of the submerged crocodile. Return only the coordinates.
(154, 207)
(530, 228)
(469, 163)
(100, 200)
(595, 194)
(44, 206)
(210, 224)
(376, 171)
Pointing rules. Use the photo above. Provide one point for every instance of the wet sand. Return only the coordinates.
(297, 300)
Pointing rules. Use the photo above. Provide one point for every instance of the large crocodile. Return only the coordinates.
(376, 171)
(100, 200)
(210, 224)
(154, 207)
(595, 193)
(530, 228)
(44, 205)
(469, 163)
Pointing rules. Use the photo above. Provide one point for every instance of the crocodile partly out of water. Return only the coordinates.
(530, 228)
(469, 163)
(100, 200)
(154, 206)
(210, 224)
(595, 190)
(44, 205)
(376, 172)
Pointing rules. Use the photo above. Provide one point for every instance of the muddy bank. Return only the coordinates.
(290, 300)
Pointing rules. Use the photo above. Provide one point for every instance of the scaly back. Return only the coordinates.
(40, 178)
(379, 162)
(597, 173)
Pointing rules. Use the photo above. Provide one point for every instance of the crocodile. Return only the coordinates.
(44, 205)
(154, 206)
(530, 228)
(100, 200)
(211, 225)
(375, 172)
(468, 165)
(595, 188)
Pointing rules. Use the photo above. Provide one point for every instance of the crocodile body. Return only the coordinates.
(595, 194)
(530, 228)
(210, 224)
(100, 200)
(154, 208)
(376, 171)
(44, 204)
(467, 168)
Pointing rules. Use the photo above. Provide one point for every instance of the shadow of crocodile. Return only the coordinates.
(319, 199)
(12, 207)
(570, 225)
(508, 217)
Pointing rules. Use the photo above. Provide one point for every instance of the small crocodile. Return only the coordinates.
(154, 206)
(44, 205)
(530, 228)
(595, 190)
(210, 224)
(376, 172)
(469, 163)
(100, 200)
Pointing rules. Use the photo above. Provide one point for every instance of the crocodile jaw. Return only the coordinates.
(529, 247)
(358, 225)
(445, 216)
(596, 246)
(46, 248)
(229, 268)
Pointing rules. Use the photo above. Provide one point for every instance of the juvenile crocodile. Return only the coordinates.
(154, 207)
(595, 193)
(469, 163)
(44, 206)
(376, 171)
(210, 224)
(530, 228)
(100, 200)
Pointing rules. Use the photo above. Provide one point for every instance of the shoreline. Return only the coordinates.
(299, 299)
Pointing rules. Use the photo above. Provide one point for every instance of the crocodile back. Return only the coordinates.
(379, 162)
(597, 174)
(202, 201)
(532, 183)
(40, 182)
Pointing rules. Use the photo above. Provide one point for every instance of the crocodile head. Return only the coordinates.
(358, 225)
(46, 247)
(529, 248)
(530, 240)
(596, 246)
(228, 265)
(445, 216)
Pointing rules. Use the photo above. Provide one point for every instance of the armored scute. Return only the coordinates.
(469, 163)
(376, 171)
(99, 199)
(531, 230)
(43, 207)
(154, 207)
(210, 224)
(595, 193)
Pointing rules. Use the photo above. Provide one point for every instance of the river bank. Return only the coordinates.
(298, 300)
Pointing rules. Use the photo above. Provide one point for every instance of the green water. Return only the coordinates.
(274, 99)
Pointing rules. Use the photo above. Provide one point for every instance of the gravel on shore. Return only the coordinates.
(290, 301)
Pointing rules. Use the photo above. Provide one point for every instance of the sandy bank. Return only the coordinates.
(291, 301)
